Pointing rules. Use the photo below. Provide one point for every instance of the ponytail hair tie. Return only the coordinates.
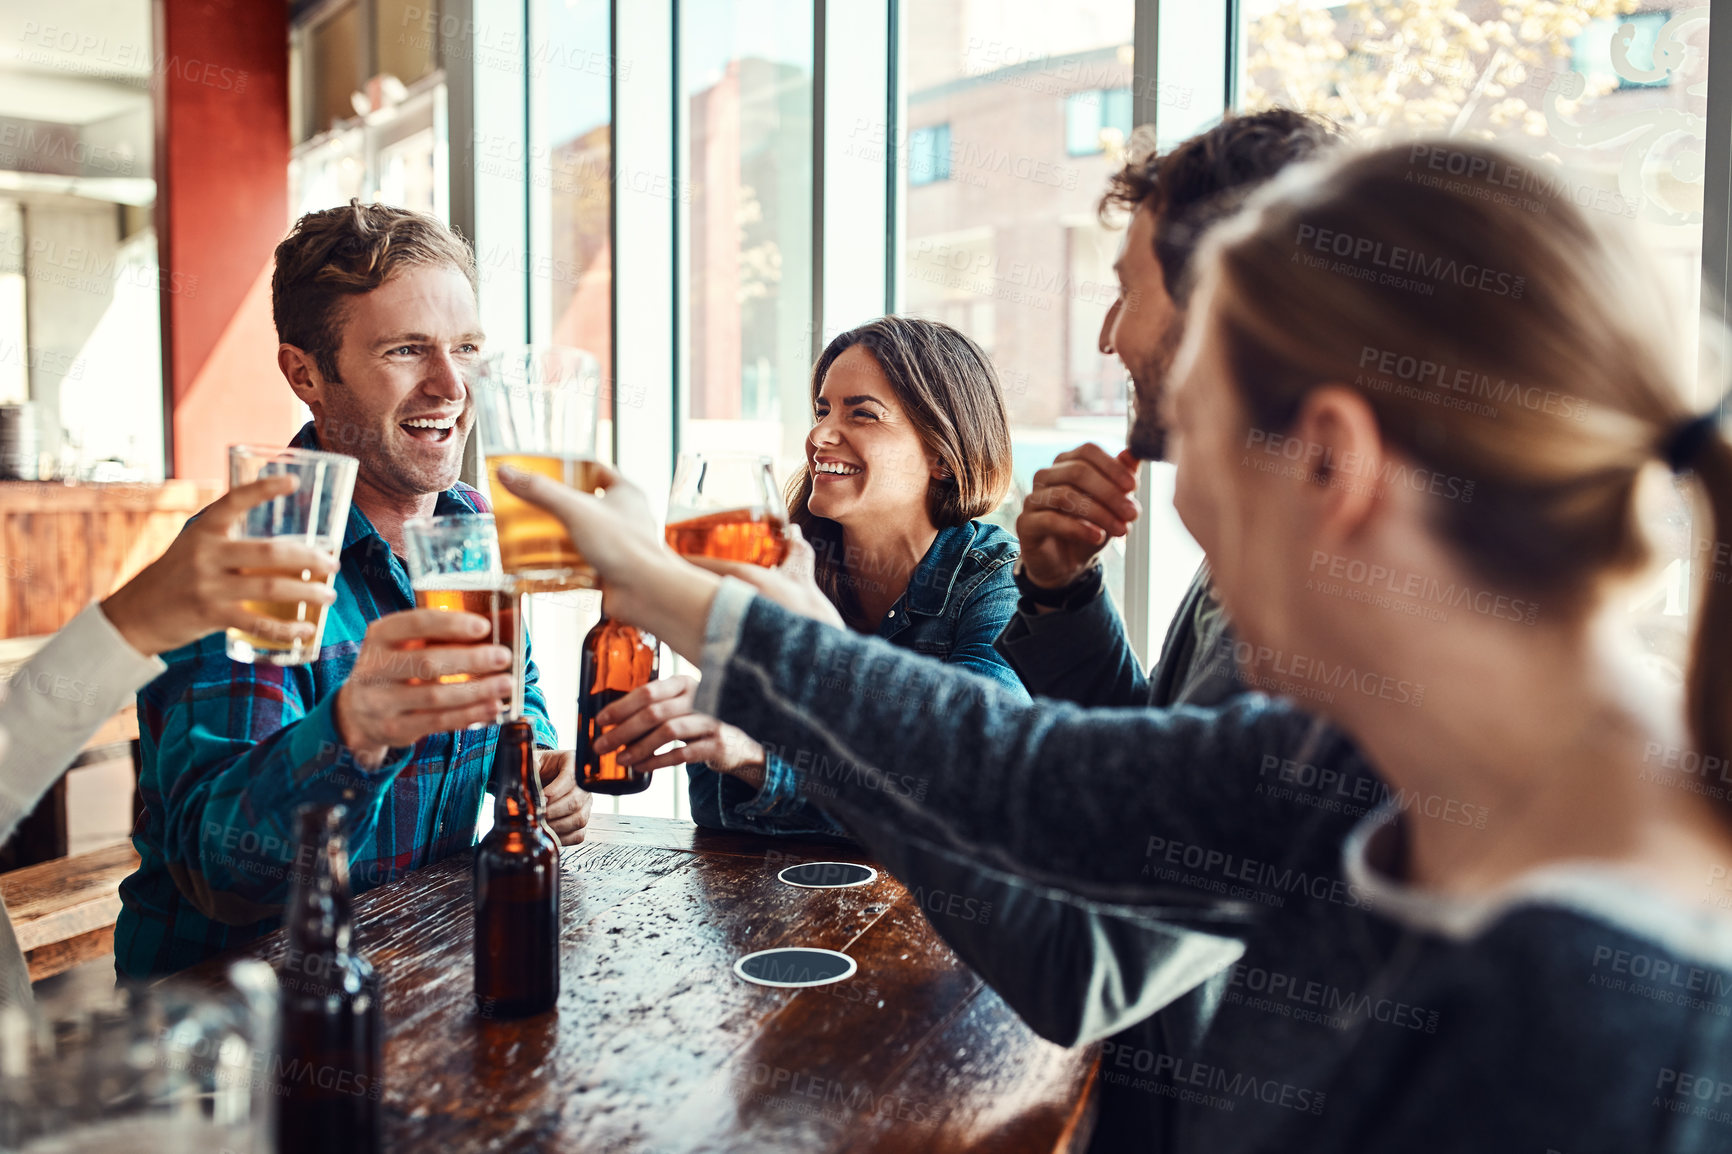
(1687, 440)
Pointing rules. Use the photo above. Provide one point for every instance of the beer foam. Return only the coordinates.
(463, 582)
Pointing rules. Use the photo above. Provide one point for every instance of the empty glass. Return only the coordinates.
(160, 1070)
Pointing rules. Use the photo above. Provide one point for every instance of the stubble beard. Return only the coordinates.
(1147, 436)
(382, 466)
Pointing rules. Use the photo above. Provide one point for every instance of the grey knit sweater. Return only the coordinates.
(1576, 1010)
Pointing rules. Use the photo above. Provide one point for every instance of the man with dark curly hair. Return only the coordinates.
(1066, 641)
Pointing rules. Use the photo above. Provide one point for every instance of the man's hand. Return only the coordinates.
(1079, 503)
(199, 584)
(652, 715)
(393, 696)
(567, 805)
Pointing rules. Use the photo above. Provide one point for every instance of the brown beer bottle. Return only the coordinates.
(516, 889)
(616, 660)
(328, 1063)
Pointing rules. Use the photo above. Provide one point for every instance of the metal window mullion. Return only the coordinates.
(1134, 605)
(1717, 191)
(646, 267)
(855, 177)
(820, 102)
(895, 115)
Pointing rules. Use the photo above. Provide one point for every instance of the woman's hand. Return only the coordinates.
(652, 715)
(792, 586)
(566, 803)
(644, 583)
(200, 583)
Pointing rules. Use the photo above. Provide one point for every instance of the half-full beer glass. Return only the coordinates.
(725, 505)
(454, 567)
(538, 412)
(315, 514)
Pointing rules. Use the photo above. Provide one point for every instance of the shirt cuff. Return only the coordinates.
(545, 737)
(92, 647)
(316, 747)
(779, 786)
(721, 637)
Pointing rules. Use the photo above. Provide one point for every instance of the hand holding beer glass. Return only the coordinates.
(454, 566)
(725, 506)
(315, 514)
(538, 411)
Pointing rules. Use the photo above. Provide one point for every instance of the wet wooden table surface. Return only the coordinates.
(657, 1047)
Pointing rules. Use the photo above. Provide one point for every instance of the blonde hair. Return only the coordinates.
(1504, 340)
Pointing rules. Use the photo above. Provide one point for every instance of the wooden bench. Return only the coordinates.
(63, 911)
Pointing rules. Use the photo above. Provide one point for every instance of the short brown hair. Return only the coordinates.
(950, 391)
(343, 252)
(1206, 177)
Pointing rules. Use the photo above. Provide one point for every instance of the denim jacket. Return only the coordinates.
(957, 603)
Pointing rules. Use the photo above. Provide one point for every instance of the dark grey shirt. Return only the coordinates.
(1082, 655)
(1579, 1009)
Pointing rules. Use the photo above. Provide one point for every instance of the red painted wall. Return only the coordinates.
(222, 205)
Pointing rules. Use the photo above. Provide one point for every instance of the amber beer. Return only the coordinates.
(533, 543)
(750, 535)
(329, 1046)
(616, 660)
(483, 594)
(516, 889)
(292, 612)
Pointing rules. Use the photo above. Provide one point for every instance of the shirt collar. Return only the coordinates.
(929, 588)
(458, 499)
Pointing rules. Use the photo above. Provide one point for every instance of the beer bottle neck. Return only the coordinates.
(516, 783)
(321, 917)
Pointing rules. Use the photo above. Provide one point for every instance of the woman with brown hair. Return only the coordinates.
(1478, 894)
(910, 444)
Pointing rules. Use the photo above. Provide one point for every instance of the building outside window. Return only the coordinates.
(746, 113)
(1614, 90)
(1035, 99)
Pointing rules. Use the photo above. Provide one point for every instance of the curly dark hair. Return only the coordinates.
(1205, 178)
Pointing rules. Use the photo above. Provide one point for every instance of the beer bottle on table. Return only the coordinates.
(329, 1063)
(616, 660)
(516, 889)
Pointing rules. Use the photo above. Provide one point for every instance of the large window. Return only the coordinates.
(568, 169)
(745, 83)
(1614, 89)
(571, 177)
(1035, 104)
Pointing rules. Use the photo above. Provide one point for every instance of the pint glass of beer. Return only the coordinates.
(725, 505)
(454, 566)
(538, 408)
(315, 514)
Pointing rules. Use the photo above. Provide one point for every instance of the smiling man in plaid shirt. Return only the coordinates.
(375, 307)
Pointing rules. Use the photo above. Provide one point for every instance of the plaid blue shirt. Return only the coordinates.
(230, 750)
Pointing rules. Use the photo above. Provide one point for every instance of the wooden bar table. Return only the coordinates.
(657, 1047)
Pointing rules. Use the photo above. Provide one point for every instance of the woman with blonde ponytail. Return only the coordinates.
(1698, 447)
(1477, 852)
